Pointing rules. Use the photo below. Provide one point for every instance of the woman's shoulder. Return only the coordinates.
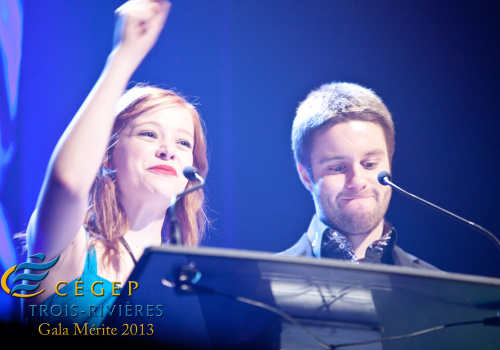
(69, 266)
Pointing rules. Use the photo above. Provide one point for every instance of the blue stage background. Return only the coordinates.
(249, 63)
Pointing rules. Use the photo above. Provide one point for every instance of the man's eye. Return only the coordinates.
(370, 165)
(337, 169)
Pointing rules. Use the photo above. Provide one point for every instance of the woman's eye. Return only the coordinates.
(185, 143)
(148, 134)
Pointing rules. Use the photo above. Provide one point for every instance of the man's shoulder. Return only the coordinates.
(301, 248)
(403, 258)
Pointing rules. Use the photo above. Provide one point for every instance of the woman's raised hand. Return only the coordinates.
(75, 162)
(138, 25)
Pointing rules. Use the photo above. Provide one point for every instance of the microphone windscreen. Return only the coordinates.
(381, 177)
(189, 172)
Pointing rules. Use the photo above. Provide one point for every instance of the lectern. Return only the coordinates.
(209, 298)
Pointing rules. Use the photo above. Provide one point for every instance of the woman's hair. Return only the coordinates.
(106, 220)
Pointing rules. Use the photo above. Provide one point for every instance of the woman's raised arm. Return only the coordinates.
(63, 200)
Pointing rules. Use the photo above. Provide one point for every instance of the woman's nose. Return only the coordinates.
(166, 151)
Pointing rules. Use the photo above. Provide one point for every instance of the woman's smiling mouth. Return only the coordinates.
(163, 170)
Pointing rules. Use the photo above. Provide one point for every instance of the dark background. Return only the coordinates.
(248, 64)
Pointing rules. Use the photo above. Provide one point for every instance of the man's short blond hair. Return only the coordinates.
(335, 103)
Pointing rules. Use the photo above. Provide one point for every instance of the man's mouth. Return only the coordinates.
(354, 199)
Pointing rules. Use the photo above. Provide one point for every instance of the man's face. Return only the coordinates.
(345, 161)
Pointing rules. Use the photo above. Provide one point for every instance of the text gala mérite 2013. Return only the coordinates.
(66, 310)
(85, 329)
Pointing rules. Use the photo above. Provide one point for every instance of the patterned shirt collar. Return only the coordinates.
(335, 245)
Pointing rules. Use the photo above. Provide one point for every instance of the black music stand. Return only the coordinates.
(336, 301)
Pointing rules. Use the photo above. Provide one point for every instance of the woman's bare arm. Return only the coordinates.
(63, 200)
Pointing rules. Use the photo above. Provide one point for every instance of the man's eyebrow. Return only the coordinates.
(327, 159)
(375, 152)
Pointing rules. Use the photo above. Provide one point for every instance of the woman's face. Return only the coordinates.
(151, 153)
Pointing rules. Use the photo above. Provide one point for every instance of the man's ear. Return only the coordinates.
(304, 177)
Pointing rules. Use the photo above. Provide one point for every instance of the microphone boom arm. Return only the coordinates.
(385, 179)
(175, 231)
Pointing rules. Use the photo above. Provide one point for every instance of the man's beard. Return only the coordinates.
(354, 223)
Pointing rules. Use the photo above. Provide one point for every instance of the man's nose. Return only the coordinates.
(356, 177)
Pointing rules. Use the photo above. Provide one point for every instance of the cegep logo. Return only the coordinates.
(27, 276)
